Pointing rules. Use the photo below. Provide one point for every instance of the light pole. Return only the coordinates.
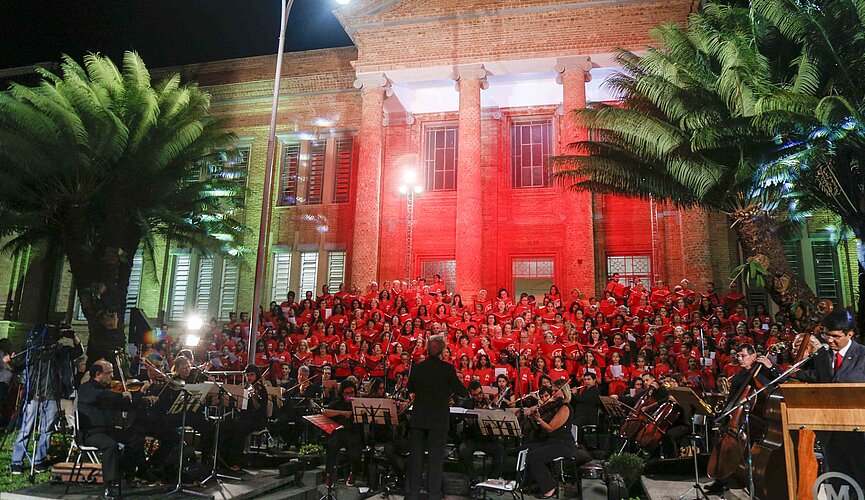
(409, 187)
(267, 191)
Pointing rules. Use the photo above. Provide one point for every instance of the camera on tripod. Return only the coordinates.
(47, 335)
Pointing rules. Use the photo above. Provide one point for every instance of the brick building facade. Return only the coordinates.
(470, 98)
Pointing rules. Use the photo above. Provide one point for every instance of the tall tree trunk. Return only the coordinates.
(761, 242)
(860, 309)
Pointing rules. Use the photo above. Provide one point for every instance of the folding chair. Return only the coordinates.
(501, 486)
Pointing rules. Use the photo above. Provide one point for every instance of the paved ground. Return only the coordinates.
(671, 488)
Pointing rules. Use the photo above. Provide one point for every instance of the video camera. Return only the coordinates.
(46, 335)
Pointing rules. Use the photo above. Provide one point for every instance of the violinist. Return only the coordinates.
(97, 404)
(346, 436)
(168, 391)
(474, 440)
(248, 418)
(555, 440)
(297, 400)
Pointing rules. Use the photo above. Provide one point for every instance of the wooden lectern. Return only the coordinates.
(816, 407)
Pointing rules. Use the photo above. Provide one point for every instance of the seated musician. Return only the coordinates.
(587, 401)
(297, 401)
(346, 437)
(505, 397)
(474, 440)
(554, 440)
(96, 407)
(747, 359)
(183, 371)
(248, 419)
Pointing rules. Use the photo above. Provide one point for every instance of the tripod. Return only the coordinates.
(214, 473)
(696, 488)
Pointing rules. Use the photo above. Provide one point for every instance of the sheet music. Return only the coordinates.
(616, 370)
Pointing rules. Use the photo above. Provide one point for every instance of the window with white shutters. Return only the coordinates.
(308, 272)
(342, 178)
(204, 286)
(281, 276)
(335, 270)
(315, 173)
(179, 287)
(228, 290)
(134, 284)
(290, 172)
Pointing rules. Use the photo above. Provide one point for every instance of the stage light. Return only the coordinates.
(343, 2)
(418, 189)
(194, 323)
(403, 189)
(191, 340)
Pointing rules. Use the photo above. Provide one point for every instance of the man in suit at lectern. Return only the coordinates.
(843, 362)
(432, 382)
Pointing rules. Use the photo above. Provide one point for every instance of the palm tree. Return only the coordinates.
(97, 162)
(818, 118)
(684, 133)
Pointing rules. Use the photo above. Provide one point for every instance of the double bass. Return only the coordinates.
(729, 458)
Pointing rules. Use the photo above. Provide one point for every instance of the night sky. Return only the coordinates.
(164, 32)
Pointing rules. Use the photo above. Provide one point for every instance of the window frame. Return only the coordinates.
(429, 164)
(546, 175)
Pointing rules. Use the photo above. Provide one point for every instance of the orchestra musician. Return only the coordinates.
(747, 357)
(587, 402)
(505, 397)
(297, 400)
(168, 392)
(97, 404)
(843, 362)
(553, 417)
(247, 418)
(346, 437)
(474, 440)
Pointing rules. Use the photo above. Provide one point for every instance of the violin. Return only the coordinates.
(131, 385)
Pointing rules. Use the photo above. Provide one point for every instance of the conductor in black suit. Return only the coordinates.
(843, 362)
(432, 382)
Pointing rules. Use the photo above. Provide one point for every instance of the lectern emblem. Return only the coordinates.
(836, 490)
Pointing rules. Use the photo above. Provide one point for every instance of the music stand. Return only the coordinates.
(613, 407)
(226, 395)
(190, 399)
(694, 404)
(381, 411)
(498, 423)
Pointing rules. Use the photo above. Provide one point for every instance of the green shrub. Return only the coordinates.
(627, 465)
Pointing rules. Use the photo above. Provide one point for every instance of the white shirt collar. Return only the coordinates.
(845, 349)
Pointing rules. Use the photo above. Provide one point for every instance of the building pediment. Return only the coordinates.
(391, 34)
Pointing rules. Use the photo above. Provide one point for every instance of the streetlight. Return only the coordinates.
(267, 191)
(409, 188)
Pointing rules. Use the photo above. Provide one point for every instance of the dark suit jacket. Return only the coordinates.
(821, 371)
(433, 381)
(586, 405)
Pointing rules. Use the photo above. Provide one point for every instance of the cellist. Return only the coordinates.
(750, 373)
